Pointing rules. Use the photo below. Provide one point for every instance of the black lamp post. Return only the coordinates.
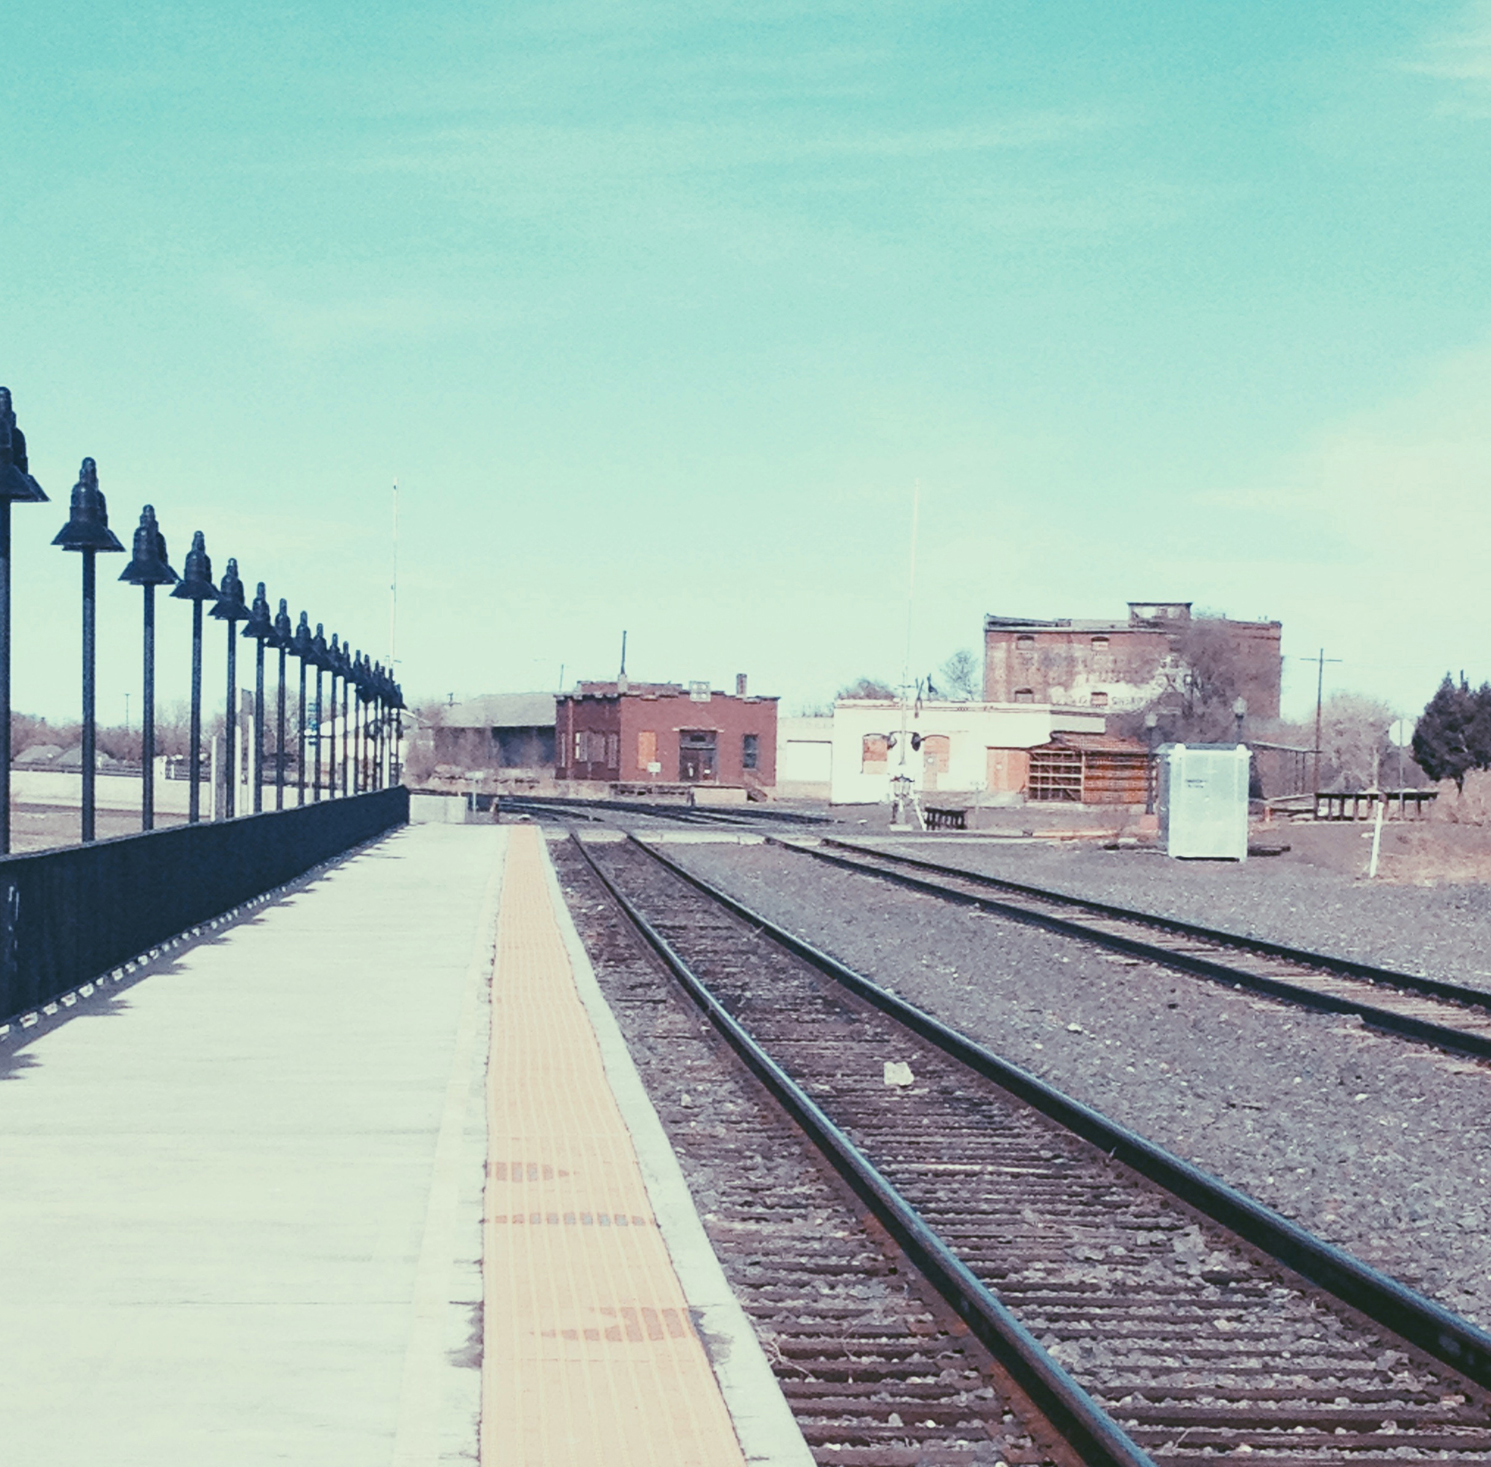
(148, 569)
(282, 638)
(318, 658)
(378, 729)
(230, 608)
(303, 646)
(16, 487)
(396, 763)
(87, 531)
(261, 628)
(334, 667)
(360, 774)
(346, 670)
(196, 586)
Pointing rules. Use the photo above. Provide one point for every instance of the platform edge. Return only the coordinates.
(764, 1425)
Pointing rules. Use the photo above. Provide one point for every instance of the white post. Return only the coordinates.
(1376, 836)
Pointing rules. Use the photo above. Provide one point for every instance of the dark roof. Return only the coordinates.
(1096, 743)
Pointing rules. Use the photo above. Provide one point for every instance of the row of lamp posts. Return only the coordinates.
(371, 700)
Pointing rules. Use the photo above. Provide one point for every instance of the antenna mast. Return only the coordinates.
(393, 588)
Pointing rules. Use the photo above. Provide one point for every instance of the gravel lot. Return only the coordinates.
(1377, 1144)
(1439, 931)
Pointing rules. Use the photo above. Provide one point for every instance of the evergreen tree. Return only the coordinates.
(1445, 737)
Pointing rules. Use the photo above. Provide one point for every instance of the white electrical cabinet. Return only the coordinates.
(1203, 804)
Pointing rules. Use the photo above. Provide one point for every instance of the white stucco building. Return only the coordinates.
(979, 749)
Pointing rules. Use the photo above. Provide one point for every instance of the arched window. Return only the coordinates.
(1025, 643)
(1100, 644)
(1099, 699)
(1025, 695)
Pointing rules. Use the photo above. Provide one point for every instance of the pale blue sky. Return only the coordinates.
(658, 311)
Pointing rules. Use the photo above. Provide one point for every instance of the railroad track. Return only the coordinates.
(1449, 1015)
(1152, 1314)
(573, 807)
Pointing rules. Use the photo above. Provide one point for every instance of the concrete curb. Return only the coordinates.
(764, 1423)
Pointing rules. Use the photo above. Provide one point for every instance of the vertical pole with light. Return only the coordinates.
(87, 532)
(283, 636)
(261, 628)
(196, 586)
(318, 659)
(304, 648)
(147, 569)
(231, 609)
(16, 487)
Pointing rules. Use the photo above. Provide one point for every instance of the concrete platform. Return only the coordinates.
(242, 1219)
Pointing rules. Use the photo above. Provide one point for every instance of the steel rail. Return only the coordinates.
(1431, 1327)
(685, 812)
(1442, 1035)
(1091, 1432)
(1333, 962)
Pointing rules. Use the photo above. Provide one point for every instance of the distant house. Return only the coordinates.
(985, 752)
(666, 734)
(508, 735)
(1118, 666)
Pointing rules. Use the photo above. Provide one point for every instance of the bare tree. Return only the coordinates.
(960, 676)
(867, 688)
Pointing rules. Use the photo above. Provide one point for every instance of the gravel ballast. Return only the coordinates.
(1377, 1144)
(1436, 931)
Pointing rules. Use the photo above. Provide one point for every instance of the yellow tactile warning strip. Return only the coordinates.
(590, 1355)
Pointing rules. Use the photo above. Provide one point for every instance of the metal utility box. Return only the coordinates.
(1203, 801)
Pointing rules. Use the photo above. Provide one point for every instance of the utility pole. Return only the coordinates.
(393, 588)
(903, 783)
(1320, 662)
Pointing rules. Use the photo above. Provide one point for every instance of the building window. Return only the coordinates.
(1100, 644)
(1099, 700)
(1025, 644)
(874, 753)
(749, 743)
(1025, 695)
(580, 741)
(646, 749)
(613, 751)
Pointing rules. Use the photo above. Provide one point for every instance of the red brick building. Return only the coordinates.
(665, 733)
(1124, 664)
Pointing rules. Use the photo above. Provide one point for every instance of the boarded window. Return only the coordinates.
(1100, 644)
(1025, 695)
(613, 751)
(935, 753)
(1024, 644)
(1008, 769)
(646, 747)
(1099, 700)
(874, 754)
(749, 746)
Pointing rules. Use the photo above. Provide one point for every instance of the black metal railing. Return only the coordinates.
(71, 915)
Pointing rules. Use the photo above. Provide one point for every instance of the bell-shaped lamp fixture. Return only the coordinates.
(302, 644)
(16, 484)
(87, 527)
(196, 576)
(148, 565)
(260, 623)
(230, 603)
